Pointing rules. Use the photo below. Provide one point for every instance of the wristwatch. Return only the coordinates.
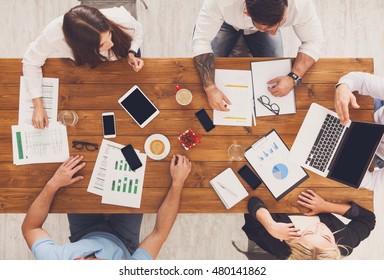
(132, 52)
(295, 77)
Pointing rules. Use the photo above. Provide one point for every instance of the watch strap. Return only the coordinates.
(295, 77)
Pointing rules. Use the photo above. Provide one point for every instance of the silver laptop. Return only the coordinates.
(326, 147)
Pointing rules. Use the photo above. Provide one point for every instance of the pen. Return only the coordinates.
(225, 188)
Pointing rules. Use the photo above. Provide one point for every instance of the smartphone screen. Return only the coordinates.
(131, 157)
(249, 176)
(205, 120)
(109, 129)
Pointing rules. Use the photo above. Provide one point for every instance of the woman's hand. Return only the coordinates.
(284, 231)
(315, 203)
(135, 62)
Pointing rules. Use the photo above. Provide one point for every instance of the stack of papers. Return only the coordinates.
(31, 145)
(237, 86)
(229, 188)
(113, 179)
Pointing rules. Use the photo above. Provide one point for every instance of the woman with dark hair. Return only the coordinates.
(323, 237)
(88, 36)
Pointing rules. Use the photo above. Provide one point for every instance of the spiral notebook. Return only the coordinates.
(229, 188)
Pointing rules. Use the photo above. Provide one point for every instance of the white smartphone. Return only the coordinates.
(138, 106)
(109, 127)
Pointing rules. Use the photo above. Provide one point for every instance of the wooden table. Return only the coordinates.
(91, 92)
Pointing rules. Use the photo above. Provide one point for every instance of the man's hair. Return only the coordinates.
(82, 26)
(301, 251)
(266, 12)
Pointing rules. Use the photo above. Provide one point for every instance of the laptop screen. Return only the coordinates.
(355, 153)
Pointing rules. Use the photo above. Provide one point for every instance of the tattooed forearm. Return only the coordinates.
(205, 65)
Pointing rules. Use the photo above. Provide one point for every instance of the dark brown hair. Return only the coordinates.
(266, 12)
(82, 26)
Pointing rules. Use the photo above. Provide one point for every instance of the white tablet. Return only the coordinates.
(138, 106)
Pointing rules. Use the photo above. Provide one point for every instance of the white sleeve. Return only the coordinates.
(308, 29)
(122, 17)
(34, 58)
(373, 180)
(364, 83)
(208, 23)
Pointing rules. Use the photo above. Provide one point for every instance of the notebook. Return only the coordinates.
(269, 158)
(341, 153)
(229, 188)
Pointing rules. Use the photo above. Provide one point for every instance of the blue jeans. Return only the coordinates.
(125, 226)
(260, 44)
(377, 104)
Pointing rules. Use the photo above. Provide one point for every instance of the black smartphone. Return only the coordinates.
(249, 176)
(131, 157)
(205, 120)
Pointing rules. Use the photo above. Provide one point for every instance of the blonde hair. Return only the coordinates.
(301, 251)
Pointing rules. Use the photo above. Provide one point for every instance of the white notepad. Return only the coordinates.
(229, 188)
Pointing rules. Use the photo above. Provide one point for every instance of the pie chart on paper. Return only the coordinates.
(280, 171)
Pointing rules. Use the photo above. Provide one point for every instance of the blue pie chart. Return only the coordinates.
(280, 171)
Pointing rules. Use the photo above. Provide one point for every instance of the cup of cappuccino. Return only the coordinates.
(183, 96)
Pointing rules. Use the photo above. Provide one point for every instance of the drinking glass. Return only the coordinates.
(236, 152)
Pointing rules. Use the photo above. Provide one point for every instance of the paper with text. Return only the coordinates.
(237, 86)
(31, 145)
(50, 91)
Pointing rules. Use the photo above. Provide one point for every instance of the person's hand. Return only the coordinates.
(135, 62)
(344, 97)
(217, 99)
(280, 86)
(284, 231)
(315, 203)
(180, 169)
(64, 174)
(39, 118)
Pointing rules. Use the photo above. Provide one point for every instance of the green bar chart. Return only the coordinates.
(122, 165)
(125, 185)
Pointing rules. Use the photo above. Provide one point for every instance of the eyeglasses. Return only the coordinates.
(78, 145)
(274, 108)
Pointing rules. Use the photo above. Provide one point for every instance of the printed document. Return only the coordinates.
(123, 186)
(265, 103)
(31, 145)
(237, 86)
(50, 99)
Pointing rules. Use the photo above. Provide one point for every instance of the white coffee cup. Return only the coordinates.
(183, 96)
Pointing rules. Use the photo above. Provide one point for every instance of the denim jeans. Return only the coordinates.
(377, 104)
(260, 44)
(125, 226)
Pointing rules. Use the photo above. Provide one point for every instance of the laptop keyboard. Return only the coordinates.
(325, 143)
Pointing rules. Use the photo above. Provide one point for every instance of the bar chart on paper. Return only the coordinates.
(124, 186)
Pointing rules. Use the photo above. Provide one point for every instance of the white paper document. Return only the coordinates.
(123, 186)
(265, 103)
(269, 158)
(50, 91)
(237, 86)
(229, 188)
(99, 174)
(31, 145)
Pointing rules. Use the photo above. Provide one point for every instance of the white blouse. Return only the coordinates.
(51, 43)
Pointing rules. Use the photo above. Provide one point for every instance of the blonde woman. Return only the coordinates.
(327, 238)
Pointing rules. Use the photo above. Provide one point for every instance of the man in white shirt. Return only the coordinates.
(94, 238)
(221, 22)
(364, 84)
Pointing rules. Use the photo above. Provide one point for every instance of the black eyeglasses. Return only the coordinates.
(274, 108)
(78, 145)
